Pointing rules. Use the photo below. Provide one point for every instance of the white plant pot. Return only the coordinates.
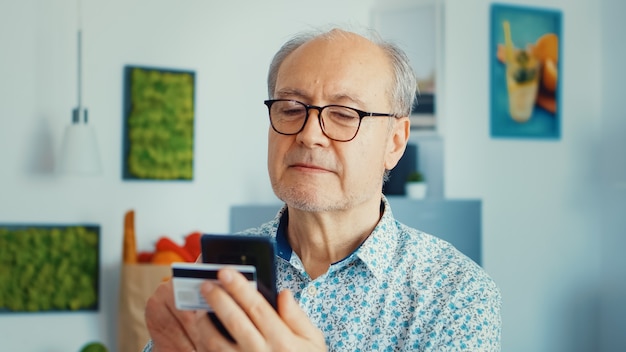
(415, 190)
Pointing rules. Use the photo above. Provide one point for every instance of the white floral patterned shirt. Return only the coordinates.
(401, 290)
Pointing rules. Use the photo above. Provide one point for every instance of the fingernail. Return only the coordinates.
(207, 286)
(225, 275)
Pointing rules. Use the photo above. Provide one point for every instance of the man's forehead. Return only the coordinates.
(342, 63)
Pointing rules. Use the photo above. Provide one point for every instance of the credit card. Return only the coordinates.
(188, 277)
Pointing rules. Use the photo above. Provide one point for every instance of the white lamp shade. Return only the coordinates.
(79, 154)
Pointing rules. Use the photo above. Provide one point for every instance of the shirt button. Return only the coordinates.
(311, 290)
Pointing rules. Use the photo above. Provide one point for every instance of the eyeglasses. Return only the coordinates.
(339, 123)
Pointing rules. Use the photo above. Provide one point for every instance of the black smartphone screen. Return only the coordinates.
(258, 251)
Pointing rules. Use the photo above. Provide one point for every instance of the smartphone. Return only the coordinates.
(258, 251)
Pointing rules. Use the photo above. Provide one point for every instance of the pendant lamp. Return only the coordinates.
(79, 152)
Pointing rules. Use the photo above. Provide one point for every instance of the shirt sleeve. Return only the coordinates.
(148, 347)
(471, 321)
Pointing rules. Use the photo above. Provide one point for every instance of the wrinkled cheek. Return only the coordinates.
(271, 159)
(274, 175)
(279, 177)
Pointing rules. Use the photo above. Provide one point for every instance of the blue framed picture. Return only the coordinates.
(525, 65)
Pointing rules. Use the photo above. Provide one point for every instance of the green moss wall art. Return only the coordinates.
(49, 268)
(158, 124)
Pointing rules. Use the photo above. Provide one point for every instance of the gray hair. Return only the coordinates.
(402, 92)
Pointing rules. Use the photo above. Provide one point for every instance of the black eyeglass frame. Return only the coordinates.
(319, 109)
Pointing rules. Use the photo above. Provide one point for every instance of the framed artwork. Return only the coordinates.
(49, 268)
(525, 64)
(158, 124)
(415, 27)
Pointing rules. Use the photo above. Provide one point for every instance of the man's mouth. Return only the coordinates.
(309, 167)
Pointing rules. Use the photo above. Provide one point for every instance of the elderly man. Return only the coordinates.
(351, 277)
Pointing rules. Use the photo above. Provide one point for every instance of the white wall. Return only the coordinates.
(540, 219)
(540, 223)
(613, 176)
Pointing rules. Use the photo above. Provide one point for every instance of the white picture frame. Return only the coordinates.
(415, 26)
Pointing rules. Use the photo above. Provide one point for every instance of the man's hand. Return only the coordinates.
(249, 318)
(171, 330)
(252, 321)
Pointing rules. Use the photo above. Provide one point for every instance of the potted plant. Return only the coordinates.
(415, 186)
(94, 346)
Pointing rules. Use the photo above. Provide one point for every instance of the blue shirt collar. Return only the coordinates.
(282, 243)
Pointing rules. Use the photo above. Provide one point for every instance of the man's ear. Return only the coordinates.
(397, 142)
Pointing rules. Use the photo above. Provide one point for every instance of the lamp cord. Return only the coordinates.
(79, 53)
(80, 61)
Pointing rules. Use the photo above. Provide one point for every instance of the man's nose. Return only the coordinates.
(313, 117)
(312, 132)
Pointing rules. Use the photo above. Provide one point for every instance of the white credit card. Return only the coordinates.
(187, 278)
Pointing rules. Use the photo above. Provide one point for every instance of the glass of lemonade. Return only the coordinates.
(522, 82)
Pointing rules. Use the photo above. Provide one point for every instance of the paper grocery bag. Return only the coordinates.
(138, 282)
